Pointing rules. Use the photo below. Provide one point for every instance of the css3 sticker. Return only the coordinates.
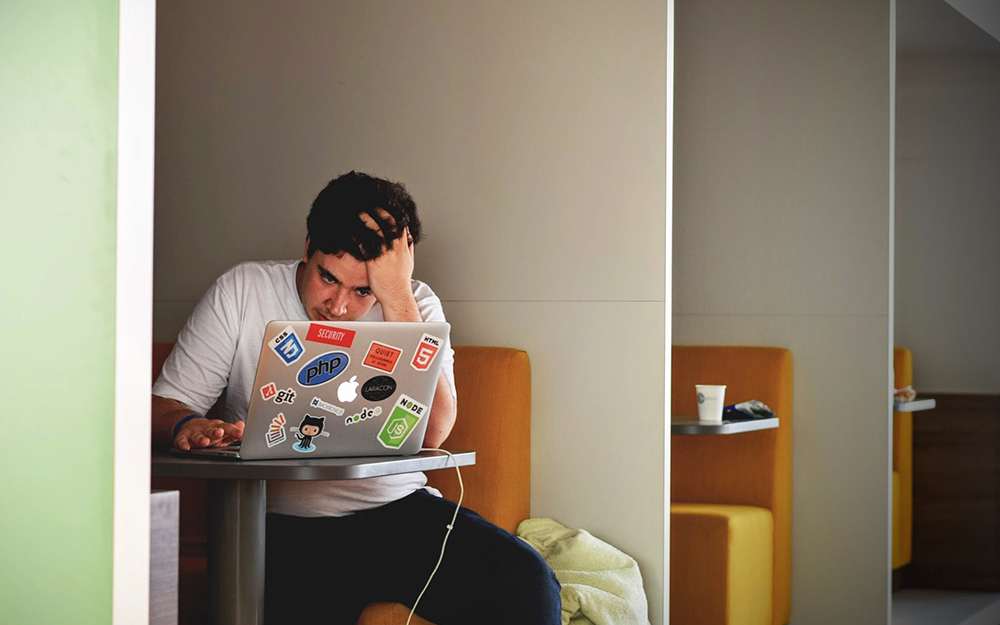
(322, 369)
(403, 419)
(287, 346)
(427, 349)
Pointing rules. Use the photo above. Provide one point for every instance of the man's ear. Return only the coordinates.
(305, 252)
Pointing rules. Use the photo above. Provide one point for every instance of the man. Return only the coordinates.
(334, 547)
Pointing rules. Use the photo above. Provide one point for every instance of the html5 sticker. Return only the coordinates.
(382, 357)
(330, 335)
(287, 346)
(427, 349)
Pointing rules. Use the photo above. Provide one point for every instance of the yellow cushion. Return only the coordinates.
(721, 551)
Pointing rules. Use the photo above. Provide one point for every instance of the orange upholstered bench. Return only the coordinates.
(494, 420)
(731, 495)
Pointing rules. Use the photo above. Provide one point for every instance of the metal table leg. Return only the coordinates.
(236, 551)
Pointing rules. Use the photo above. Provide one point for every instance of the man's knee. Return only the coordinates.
(534, 589)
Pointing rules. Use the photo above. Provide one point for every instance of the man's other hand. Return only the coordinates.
(389, 275)
(208, 433)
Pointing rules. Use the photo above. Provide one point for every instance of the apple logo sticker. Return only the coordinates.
(348, 391)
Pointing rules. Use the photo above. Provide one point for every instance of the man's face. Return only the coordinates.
(334, 287)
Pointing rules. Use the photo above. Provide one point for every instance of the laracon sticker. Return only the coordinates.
(378, 388)
(276, 432)
(405, 415)
(366, 413)
(382, 357)
(310, 428)
(330, 335)
(322, 369)
(322, 405)
(287, 346)
(268, 391)
(427, 349)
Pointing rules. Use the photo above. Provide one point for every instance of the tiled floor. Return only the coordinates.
(916, 606)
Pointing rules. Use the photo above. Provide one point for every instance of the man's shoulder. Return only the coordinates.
(252, 271)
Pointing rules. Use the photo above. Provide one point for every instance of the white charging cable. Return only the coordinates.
(451, 526)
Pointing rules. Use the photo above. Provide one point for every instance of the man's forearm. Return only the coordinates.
(443, 412)
(166, 414)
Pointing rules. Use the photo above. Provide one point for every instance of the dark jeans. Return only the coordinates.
(326, 570)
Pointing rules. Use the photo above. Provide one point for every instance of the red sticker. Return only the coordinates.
(268, 391)
(330, 335)
(427, 349)
(382, 357)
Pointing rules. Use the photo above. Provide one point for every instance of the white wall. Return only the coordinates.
(948, 218)
(781, 237)
(531, 135)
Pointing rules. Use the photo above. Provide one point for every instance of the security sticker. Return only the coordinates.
(427, 349)
(405, 415)
(323, 368)
(322, 405)
(276, 432)
(378, 388)
(310, 428)
(287, 346)
(330, 335)
(366, 413)
(268, 391)
(382, 357)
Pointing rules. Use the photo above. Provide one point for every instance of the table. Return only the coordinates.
(916, 405)
(237, 497)
(687, 424)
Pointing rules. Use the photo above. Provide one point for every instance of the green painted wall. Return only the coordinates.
(58, 137)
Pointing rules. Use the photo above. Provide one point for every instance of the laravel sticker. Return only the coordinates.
(427, 349)
(382, 357)
(330, 335)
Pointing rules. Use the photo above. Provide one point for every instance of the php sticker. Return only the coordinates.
(403, 419)
(378, 388)
(287, 346)
(366, 413)
(427, 349)
(382, 357)
(276, 432)
(322, 405)
(330, 335)
(322, 369)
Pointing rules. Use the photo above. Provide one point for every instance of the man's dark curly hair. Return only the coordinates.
(334, 223)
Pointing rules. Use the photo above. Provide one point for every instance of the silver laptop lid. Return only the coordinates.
(328, 389)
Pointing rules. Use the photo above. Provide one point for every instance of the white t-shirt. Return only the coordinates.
(216, 355)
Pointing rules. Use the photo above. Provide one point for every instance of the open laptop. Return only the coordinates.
(328, 389)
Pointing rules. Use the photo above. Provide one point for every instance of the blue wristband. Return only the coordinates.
(177, 428)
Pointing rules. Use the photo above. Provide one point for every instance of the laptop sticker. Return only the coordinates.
(378, 388)
(366, 413)
(348, 391)
(268, 391)
(382, 357)
(286, 396)
(276, 432)
(427, 349)
(403, 419)
(310, 428)
(287, 346)
(330, 335)
(322, 369)
(322, 405)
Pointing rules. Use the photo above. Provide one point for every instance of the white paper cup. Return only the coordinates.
(710, 402)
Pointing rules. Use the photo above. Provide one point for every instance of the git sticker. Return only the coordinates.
(405, 415)
(286, 396)
(287, 346)
(382, 357)
(269, 391)
(427, 349)
(276, 432)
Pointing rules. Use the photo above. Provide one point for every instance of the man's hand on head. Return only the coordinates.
(208, 433)
(389, 275)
